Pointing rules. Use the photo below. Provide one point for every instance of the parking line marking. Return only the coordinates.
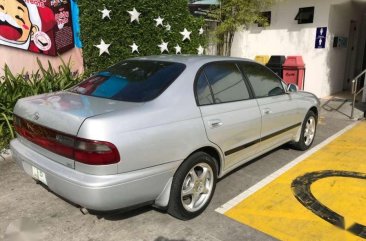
(247, 193)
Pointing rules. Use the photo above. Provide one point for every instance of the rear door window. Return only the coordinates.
(203, 91)
(132, 81)
(264, 82)
(227, 82)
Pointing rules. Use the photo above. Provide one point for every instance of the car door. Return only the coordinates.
(231, 116)
(280, 117)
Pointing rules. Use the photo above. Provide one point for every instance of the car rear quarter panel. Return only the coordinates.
(164, 130)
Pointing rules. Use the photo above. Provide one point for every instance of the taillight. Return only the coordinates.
(95, 152)
(82, 150)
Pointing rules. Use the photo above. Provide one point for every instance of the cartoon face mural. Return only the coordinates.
(16, 27)
(40, 26)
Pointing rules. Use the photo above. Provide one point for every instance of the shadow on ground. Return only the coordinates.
(337, 105)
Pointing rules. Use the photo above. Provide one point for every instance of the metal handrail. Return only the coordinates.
(355, 92)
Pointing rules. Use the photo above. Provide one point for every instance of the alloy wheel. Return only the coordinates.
(197, 187)
(309, 132)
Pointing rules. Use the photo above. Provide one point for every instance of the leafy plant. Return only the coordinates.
(13, 87)
(236, 15)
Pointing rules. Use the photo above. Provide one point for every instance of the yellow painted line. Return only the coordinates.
(335, 172)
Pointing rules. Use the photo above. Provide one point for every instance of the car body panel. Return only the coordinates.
(239, 125)
(305, 101)
(66, 111)
(278, 114)
(96, 192)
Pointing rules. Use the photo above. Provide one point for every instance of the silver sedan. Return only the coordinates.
(159, 130)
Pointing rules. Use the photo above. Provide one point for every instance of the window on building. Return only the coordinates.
(263, 81)
(267, 16)
(226, 82)
(305, 15)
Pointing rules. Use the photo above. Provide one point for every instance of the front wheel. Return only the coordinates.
(308, 131)
(193, 186)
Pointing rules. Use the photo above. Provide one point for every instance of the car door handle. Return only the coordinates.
(267, 111)
(215, 123)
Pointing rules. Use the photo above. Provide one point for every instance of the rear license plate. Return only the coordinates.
(39, 175)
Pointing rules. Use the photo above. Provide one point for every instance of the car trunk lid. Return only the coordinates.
(60, 114)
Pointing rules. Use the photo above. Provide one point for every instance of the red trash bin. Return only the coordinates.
(294, 71)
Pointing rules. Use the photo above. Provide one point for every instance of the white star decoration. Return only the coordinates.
(135, 48)
(186, 34)
(159, 21)
(134, 15)
(163, 47)
(168, 27)
(103, 47)
(200, 50)
(178, 49)
(105, 13)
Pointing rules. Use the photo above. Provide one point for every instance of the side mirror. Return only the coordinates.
(292, 88)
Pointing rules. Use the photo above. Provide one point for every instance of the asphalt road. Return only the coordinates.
(27, 204)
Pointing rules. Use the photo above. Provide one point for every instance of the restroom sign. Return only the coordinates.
(321, 36)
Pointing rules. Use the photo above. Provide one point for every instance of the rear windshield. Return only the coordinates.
(132, 81)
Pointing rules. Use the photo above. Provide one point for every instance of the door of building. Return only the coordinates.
(351, 56)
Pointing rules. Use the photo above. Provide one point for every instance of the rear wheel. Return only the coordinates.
(308, 131)
(193, 186)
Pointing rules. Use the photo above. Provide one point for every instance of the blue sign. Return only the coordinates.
(321, 36)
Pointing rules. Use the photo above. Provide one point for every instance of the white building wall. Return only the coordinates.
(324, 67)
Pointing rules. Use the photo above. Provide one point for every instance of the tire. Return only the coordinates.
(191, 190)
(308, 131)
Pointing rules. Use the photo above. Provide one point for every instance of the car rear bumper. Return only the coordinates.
(107, 192)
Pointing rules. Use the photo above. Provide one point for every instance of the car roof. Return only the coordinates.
(190, 59)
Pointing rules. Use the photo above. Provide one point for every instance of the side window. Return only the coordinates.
(264, 82)
(226, 82)
(203, 91)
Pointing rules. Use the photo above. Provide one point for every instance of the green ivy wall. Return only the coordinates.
(121, 33)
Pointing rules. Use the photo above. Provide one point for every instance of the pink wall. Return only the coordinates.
(19, 60)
